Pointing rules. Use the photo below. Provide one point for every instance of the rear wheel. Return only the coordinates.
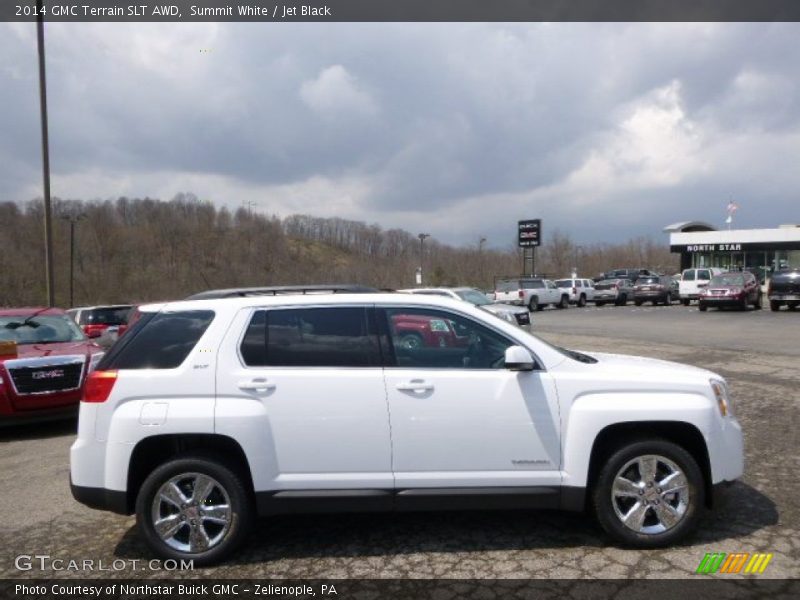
(792, 305)
(195, 508)
(533, 304)
(668, 300)
(649, 494)
(775, 306)
(622, 300)
(637, 302)
(686, 301)
(564, 302)
(702, 307)
(582, 301)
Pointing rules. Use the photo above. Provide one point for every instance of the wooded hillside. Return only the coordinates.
(135, 250)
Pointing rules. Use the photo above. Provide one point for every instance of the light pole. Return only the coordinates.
(422, 237)
(48, 215)
(481, 242)
(72, 218)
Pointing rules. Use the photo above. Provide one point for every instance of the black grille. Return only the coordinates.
(523, 318)
(40, 380)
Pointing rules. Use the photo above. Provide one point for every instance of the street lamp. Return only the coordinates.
(72, 218)
(48, 218)
(421, 237)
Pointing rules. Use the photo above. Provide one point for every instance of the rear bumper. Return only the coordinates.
(784, 298)
(101, 499)
(650, 295)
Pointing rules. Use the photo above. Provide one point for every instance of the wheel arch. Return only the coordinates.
(153, 451)
(681, 433)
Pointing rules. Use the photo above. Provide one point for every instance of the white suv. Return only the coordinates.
(580, 291)
(210, 412)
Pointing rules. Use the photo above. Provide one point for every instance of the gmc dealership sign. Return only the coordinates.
(530, 233)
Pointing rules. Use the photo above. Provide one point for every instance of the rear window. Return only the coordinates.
(310, 337)
(564, 283)
(106, 316)
(159, 342)
(648, 280)
(533, 284)
(508, 285)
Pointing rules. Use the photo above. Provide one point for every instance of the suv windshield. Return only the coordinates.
(473, 297)
(40, 329)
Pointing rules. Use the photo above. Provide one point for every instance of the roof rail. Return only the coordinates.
(283, 289)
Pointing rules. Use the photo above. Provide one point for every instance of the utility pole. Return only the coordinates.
(422, 237)
(481, 242)
(73, 219)
(48, 214)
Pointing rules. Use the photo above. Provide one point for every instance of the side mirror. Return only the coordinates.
(518, 359)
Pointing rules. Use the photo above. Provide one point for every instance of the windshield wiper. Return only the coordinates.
(27, 322)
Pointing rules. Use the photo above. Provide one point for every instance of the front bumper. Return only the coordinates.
(720, 300)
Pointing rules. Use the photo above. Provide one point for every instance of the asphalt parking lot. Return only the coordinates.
(756, 351)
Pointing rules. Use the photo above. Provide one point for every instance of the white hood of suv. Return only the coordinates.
(641, 366)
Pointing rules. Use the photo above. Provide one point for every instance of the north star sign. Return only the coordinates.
(713, 247)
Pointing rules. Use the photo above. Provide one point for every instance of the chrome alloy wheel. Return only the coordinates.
(191, 512)
(650, 494)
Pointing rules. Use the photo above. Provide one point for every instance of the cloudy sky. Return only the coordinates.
(605, 131)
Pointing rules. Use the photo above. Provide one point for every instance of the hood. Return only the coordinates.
(647, 367)
(57, 349)
(503, 308)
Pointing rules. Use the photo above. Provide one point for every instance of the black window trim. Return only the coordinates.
(251, 310)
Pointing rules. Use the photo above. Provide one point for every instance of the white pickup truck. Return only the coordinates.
(533, 292)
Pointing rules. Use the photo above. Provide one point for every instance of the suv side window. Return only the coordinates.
(310, 337)
(161, 341)
(428, 338)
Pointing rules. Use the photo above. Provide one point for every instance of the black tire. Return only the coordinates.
(668, 300)
(687, 501)
(533, 304)
(757, 303)
(599, 303)
(743, 303)
(622, 301)
(582, 301)
(775, 306)
(792, 305)
(701, 307)
(239, 499)
(411, 341)
(637, 302)
(686, 301)
(564, 303)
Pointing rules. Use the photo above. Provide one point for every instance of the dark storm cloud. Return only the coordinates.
(409, 125)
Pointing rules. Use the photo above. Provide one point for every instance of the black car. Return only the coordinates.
(784, 288)
(658, 289)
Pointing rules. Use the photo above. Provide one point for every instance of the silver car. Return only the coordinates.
(518, 315)
(618, 291)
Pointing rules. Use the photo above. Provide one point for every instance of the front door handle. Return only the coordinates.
(256, 385)
(415, 385)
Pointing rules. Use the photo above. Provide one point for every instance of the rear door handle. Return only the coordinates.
(415, 385)
(256, 385)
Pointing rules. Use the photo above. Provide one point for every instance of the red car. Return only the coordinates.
(417, 331)
(44, 360)
(734, 289)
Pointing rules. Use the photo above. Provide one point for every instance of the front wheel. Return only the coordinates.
(649, 494)
(194, 508)
(757, 303)
(686, 301)
(702, 307)
(622, 301)
(774, 305)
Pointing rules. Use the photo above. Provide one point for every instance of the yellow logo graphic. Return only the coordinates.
(738, 562)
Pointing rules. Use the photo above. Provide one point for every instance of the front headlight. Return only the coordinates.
(510, 317)
(720, 389)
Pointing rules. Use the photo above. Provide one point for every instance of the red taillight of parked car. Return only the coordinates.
(98, 386)
(574, 291)
(521, 294)
(94, 331)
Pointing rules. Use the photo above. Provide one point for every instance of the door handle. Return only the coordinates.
(256, 385)
(415, 385)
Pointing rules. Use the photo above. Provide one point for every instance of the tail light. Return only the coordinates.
(94, 331)
(521, 294)
(574, 291)
(616, 286)
(769, 288)
(98, 386)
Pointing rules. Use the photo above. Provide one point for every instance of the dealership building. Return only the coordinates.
(761, 251)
